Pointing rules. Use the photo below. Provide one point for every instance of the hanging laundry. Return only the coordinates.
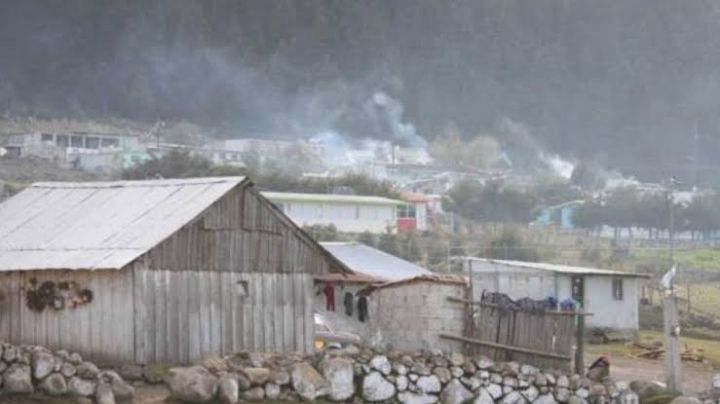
(329, 296)
(362, 308)
(348, 302)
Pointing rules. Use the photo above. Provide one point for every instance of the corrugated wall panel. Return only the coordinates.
(201, 314)
(101, 330)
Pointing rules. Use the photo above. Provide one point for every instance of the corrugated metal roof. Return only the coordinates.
(373, 262)
(564, 269)
(441, 279)
(99, 225)
(331, 198)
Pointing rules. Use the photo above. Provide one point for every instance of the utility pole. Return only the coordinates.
(671, 323)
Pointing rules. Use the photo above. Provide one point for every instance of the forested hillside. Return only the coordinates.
(623, 82)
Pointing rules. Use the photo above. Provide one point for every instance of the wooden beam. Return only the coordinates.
(506, 347)
(492, 305)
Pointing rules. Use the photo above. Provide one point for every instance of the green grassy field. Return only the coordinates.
(704, 258)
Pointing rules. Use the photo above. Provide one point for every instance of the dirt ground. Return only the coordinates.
(696, 376)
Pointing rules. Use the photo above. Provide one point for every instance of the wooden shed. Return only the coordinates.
(165, 271)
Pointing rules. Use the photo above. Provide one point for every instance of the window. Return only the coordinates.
(242, 288)
(109, 142)
(46, 137)
(617, 288)
(92, 143)
(62, 140)
(76, 141)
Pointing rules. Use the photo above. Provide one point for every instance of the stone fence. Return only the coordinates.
(363, 375)
(34, 369)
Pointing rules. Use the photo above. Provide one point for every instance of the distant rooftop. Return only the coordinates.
(563, 269)
(300, 197)
(371, 262)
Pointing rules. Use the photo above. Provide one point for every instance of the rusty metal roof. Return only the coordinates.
(99, 225)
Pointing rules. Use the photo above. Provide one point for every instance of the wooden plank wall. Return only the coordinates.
(537, 331)
(190, 315)
(241, 232)
(101, 330)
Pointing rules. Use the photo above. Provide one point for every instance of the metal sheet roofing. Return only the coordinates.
(99, 225)
(331, 198)
(372, 262)
(564, 269)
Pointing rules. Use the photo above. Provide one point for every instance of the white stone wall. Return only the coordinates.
(411, 316)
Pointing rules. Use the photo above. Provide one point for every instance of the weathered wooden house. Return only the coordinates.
(156, 271)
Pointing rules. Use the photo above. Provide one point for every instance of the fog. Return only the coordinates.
(621, 84)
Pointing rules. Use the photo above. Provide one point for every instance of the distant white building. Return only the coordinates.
(611, 296)
(235, 151)
(88, 151)
(348, 213)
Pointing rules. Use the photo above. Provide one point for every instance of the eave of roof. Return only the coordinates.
(331, 198)
(563, 269)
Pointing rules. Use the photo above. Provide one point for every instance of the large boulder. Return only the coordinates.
(122, 390)
(545, 399)
(339, 373)
(257, 376)
(455, 393)
(647, 390)
(429, 384)
(228, 390)
(104, 394)
(81, 387)
(484, 397)
(514, 397)
(194, 384)
(280, 377)
(272, 391)
(68, 370)
(17, 379)
(414, 398)
(376, 388)
(307, 382)
(53, 385)
(381, 364)
(495, 390)
(88, 370)
(43, 363)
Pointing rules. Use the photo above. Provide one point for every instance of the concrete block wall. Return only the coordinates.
(411, 316)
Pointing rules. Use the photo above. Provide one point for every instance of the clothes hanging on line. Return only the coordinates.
(329, 291)
(348, 302)
(362, 308)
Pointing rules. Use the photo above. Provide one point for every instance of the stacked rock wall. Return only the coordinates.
(34, 369)
(364, 375)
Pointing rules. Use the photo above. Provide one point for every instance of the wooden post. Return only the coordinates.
(673, 366)
(580, 346)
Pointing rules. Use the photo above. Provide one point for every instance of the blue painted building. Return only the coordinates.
(559, 216)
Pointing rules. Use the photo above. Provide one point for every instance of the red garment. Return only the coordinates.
(329, 296)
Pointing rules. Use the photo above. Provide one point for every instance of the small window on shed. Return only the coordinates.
(617, 288)
(47, 137)
(242, 288)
